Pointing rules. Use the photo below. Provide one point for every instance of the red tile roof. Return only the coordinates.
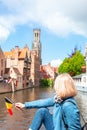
(21, 53)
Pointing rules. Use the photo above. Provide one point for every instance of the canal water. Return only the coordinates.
(20, 120)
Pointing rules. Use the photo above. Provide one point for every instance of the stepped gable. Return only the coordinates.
(21, 52)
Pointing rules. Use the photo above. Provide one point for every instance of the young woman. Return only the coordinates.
(65, 115)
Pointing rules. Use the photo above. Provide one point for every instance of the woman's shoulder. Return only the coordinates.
(69, 102)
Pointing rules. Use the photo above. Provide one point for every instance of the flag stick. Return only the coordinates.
(7, 100)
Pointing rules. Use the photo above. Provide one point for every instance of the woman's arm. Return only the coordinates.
(36, 104)
(40, 103)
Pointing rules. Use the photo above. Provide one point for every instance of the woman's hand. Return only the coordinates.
(19, 105)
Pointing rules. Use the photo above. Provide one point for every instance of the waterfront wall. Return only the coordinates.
(6, 88)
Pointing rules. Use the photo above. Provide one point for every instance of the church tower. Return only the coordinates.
(36, 45)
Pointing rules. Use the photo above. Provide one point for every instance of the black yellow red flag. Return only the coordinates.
(9, 105)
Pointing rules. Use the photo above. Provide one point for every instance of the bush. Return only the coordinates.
(46, 82)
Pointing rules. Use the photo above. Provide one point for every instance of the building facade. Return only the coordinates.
(26, 61)
(48, 72)
(2, 63)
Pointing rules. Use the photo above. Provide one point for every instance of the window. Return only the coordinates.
(1, 62)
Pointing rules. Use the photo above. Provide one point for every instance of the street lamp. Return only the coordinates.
(86, 69)
(86, 61)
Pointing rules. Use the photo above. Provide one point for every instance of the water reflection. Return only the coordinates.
(21, 119)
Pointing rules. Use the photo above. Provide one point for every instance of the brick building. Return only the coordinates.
(47, 71)
(26, 61)
(2, 62)
(36, 58)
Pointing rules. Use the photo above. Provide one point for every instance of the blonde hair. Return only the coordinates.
(64, 86)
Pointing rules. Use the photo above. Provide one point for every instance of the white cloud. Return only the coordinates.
(4, 33)
(56, 62)
(61, 17)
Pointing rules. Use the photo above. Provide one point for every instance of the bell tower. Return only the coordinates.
(36, 45)
(36, 58)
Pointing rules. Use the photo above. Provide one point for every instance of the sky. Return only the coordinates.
(63, 25)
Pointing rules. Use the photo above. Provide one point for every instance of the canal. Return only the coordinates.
(20, 120)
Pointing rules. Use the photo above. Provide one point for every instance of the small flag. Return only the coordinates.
(9, 105)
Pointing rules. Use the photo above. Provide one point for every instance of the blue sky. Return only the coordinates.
(63, 26)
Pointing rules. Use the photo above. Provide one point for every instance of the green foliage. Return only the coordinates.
(46, 82)
(72, 64)
(64, 67)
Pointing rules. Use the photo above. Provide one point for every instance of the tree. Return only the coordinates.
(64, 67)
(73, 64)
(46, 82)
